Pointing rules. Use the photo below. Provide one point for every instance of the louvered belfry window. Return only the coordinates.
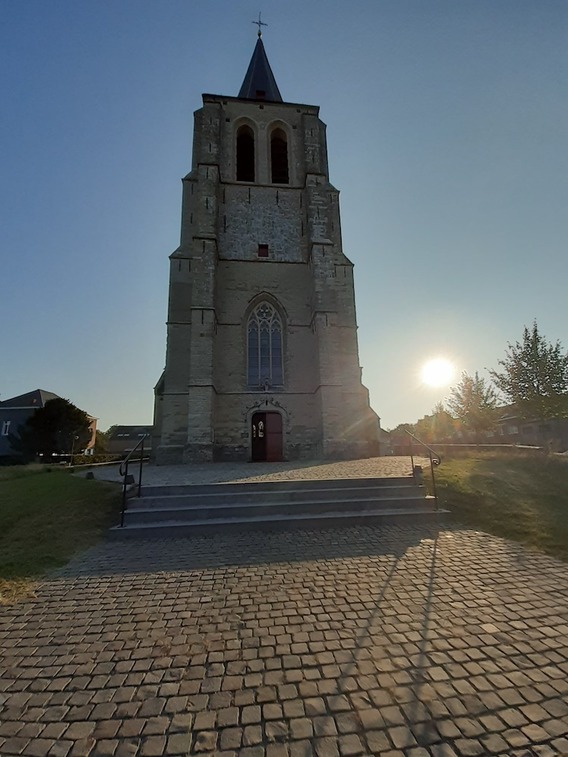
(264, 347)
(279, 157)
(245, 154)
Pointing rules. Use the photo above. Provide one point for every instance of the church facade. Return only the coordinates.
(262, 358)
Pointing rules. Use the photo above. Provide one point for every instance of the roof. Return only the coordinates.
(129, 432)
(259, 82)
(34, 399)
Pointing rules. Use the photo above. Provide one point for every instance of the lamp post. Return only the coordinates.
(74, 438)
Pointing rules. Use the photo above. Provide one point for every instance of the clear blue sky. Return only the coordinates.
(448, 138)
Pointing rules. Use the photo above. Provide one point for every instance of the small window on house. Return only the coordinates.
(245, 154)
(6, 428)
(279, 157)
(262, 250)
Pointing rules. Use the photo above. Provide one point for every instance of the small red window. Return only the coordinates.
(262, 250)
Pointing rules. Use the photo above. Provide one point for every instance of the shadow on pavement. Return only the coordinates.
(241, 549)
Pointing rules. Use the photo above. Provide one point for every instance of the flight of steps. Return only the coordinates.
(199, 509)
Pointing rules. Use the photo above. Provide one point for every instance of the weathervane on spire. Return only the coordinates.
(259, 23)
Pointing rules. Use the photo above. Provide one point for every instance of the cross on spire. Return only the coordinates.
(259, 23)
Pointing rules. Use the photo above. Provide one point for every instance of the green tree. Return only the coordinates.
(101, 442)
(424, 429)
(473, 403)
(56, 428)
(443, 425)
(400, 440)
(534, 376)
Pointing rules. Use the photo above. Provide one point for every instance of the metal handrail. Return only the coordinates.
(435, 459)
(123, 471)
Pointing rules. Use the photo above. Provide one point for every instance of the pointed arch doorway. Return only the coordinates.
(266, 434)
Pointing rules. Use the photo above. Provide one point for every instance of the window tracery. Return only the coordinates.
(264, 347)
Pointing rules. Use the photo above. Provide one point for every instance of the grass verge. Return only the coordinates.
(46, 516)
(523, 498)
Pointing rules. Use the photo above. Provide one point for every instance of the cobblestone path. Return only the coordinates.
(216, 473)
(391, 642)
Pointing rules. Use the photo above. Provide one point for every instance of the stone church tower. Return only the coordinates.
(262, 360)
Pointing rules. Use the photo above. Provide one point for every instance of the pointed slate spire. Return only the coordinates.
(259, 82)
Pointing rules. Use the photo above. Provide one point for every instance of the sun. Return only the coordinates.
(437, 372)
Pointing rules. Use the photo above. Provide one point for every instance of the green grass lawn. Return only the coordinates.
(45, 518)
(519, 497)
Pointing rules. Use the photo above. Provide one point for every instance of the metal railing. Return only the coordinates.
(123, 471)
(435, 460)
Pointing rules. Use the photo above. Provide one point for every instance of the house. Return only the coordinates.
(122, 439)
(15, 411)
(511, 428)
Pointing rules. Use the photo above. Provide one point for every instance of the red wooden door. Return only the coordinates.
(273, 437)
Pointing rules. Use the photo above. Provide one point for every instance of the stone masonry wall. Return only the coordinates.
(204, 406)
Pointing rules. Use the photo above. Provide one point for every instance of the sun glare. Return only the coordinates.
(438, 372)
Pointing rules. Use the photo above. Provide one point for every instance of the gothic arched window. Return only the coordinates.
(245, 154)
(264, 347)
(279, 157)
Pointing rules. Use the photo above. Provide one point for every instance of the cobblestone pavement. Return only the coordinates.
(393, 642)
(216, 473)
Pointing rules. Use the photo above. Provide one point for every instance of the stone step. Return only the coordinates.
(275, 504)
(381, 516)
(219, 495)
(215, 510)
(280, 486)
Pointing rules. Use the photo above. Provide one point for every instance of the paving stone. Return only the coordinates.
(231, 738)
(493, 743)
(277, 750)
(469, 747)
(534, 733)
(378, 741)
(442, 750)
(253, 751)
(63, 748)
(276, 730)
(402, 737)
(153, 746)
(252, 735)
(324, 725)
(326, 747)
(205, 741)
(350, 744)
(103, 748)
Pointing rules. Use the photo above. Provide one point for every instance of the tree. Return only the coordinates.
(400, 441)
(56, 428)
(424, 429)
(443, 425)
(535, 377)
(473, 402)
(101, 442)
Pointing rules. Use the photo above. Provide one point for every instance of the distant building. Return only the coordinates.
(122, 439)
(15, 411)
(513, 429)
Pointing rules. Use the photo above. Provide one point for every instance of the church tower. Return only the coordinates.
(262, 359)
